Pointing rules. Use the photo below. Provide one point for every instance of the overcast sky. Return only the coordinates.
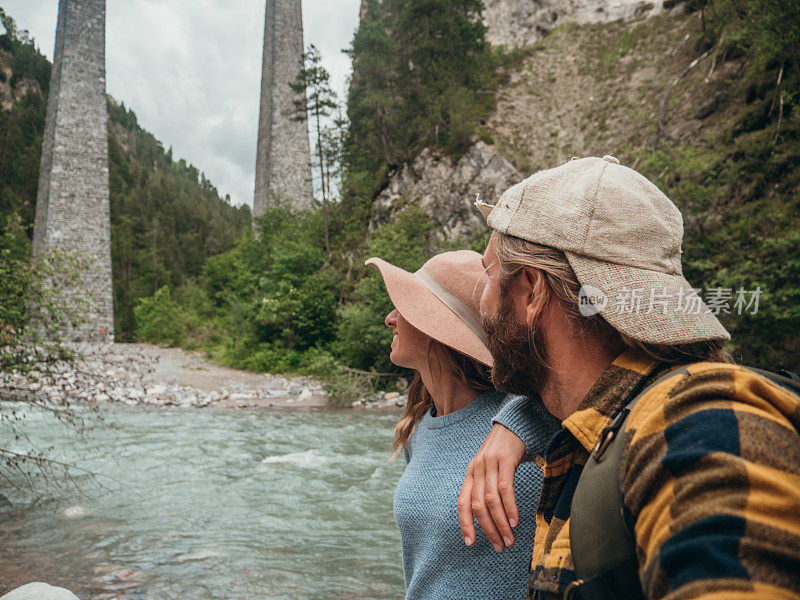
(191, 70)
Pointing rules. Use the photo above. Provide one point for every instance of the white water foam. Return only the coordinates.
(309, 458)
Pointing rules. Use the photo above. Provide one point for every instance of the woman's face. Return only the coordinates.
(409, 345)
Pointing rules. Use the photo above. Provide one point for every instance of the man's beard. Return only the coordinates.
(519, 352)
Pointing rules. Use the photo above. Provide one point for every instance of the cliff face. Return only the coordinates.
(446, 189)
(516, 23)
(583, 90)
(591, 66)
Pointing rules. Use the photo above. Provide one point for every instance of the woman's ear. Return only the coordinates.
(535, 294)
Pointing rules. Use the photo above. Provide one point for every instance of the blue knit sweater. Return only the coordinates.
(436, 563)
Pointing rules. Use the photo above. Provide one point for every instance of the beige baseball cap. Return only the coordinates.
(622, 237)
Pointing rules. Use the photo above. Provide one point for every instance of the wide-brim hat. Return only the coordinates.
(622, 236)
(442, 299)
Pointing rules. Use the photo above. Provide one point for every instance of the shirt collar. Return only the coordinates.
(597, 408)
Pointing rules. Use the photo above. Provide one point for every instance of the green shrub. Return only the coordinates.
(15, 273)
(33, 314)
(160, 319)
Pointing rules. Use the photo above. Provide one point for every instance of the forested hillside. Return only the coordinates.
(166, 217)
(704, 101)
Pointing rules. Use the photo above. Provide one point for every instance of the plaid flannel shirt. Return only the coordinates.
(710, 478)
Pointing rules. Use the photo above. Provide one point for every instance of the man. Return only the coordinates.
(586, 305)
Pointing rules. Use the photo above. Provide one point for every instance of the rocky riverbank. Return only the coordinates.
(142, 374)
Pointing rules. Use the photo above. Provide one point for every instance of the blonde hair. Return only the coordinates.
(469, 371)
(515, 254)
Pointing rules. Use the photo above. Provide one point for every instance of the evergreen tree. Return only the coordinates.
(423, 76)
(316, 99)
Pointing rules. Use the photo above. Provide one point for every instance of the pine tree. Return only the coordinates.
(316, 99)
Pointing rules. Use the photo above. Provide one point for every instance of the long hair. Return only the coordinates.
(441, 359)
(515, 254)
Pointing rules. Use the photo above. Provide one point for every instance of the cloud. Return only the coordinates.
(191, 70)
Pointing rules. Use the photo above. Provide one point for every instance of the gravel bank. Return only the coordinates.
(143, 374)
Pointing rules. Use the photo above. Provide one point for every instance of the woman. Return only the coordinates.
(437, 332)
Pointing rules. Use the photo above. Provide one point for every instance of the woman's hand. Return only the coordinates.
(488, 489)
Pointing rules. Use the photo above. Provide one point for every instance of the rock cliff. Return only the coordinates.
(523, 22)
(536, 124)
(446, 189)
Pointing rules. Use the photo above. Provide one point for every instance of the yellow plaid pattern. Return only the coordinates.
(710, 479)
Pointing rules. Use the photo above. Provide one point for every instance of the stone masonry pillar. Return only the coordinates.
(72, 206)
(283, 167)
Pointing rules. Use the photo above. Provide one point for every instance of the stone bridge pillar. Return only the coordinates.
(283, 167)
(72, 205)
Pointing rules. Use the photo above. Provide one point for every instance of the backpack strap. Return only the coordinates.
(784, 378)
(603, 549)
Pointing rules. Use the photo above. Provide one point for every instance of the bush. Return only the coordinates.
(341, 383)
(160, 319)
(15, 273)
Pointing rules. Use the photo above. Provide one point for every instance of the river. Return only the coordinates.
(216, 504)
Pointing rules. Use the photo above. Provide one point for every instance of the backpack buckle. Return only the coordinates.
(609, 433)
(602, 443)
(571, 591)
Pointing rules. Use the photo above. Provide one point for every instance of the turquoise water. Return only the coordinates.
(219, 504)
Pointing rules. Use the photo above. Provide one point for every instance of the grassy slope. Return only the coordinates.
(598, 89)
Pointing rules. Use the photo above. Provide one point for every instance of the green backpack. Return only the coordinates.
(603, 549)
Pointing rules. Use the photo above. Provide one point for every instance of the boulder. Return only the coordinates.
(39, 591)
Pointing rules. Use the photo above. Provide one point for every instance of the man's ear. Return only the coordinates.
(535, 294)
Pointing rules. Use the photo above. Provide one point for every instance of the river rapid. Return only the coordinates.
(215, 504)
